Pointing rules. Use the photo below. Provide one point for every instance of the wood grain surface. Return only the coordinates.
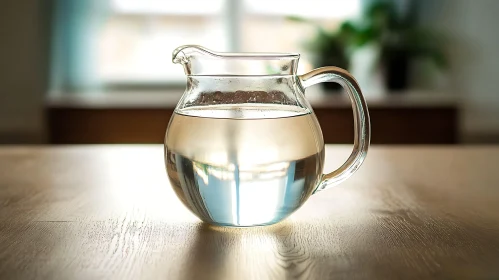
(108, 212)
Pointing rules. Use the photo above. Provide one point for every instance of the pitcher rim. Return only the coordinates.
(235, 55)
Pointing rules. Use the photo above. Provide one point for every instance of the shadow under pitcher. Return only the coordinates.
(243, 147)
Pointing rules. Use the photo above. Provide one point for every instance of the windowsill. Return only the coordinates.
(168, 99)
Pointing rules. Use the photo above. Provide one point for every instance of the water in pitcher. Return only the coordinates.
(244, 165)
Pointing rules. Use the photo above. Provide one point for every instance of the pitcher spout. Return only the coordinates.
(182, 54)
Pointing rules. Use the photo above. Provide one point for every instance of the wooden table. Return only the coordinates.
(107, 212)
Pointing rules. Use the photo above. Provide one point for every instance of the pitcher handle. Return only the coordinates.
(362, 125)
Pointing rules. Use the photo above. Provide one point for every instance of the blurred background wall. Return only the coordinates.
(24, 26)
(27, 57)
(474, 56)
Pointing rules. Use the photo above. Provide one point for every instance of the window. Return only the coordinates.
(131, 43)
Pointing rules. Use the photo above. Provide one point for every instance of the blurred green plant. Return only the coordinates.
(327, 46)
(399, 37)
(395, 33)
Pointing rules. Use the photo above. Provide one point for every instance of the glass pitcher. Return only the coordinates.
(243, 147)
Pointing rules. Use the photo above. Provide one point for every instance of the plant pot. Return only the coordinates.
(332, 87)
(336, 58)
(397, 72)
